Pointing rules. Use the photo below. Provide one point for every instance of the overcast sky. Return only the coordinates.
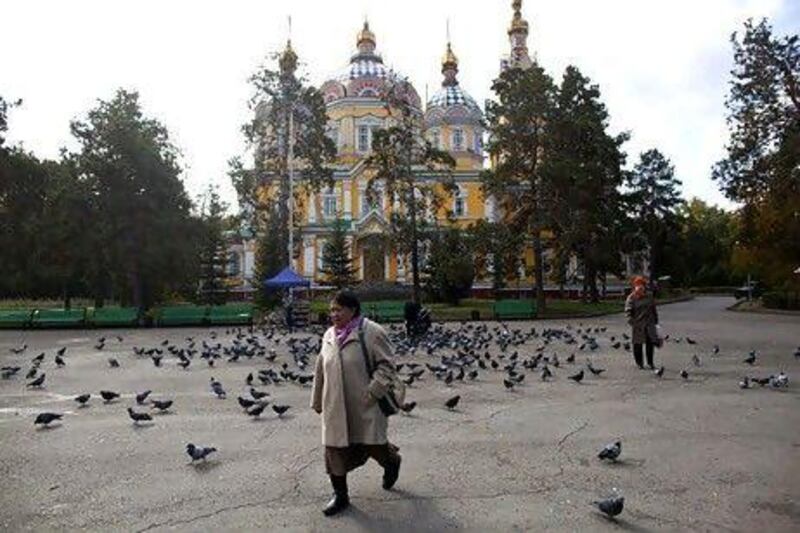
(662, 66)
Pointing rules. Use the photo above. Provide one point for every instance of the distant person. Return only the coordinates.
(640, 308)
(411, 314)
(353, 426)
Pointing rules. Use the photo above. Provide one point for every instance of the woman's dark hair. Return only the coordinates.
(348, 299)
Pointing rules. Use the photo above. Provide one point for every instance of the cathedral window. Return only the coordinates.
(458, 139)
(433, 137)
(460, 203)
(363, 138)
(329, 205)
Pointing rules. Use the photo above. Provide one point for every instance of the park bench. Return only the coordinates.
(58, 318)
(386, 311)
(182, 315)
(103, 317)
(231, 314)
(514, 309)
(15, 318)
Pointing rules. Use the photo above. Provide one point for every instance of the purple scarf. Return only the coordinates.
(342, 334)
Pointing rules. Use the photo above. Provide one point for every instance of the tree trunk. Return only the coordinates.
(412, 215)
(538, 257)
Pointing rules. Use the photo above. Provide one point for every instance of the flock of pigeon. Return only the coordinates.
(453, 355)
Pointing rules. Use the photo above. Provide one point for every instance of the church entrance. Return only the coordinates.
(373, 249)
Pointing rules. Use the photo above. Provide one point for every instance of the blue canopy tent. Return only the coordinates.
(287, 278)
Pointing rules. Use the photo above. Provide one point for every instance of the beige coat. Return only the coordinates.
(643, 317)
(343, 393)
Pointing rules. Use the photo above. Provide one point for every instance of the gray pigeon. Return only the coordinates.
(610, 507)
(611, 451)
(199, 452)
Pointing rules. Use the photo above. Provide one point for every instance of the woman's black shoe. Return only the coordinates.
(340, 500)
(390, 474)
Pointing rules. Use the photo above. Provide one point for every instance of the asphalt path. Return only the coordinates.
(698, 454)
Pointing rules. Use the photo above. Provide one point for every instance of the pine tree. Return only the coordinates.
(337, 264)
(398, 153)
(517, 122)
(655, 197)
(213, 251)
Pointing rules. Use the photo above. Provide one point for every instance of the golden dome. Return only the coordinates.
(288, 59)
(365, 34)
(449, 59)
(518, 24)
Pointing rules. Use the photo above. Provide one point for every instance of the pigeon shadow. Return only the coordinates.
(168, 412)
(141, 427)
(621, 524)
(204, 466)
(625, 463)
(48, 427)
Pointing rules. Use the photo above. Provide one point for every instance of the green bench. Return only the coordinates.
(15, 318)
(514, 309)
(103, 317)
(387, 311)
(56, 318)
(231, 314)
(182, 315)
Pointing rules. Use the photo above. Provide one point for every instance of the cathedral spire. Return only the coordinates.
(366, 40)
(449, 63)
(518, 37)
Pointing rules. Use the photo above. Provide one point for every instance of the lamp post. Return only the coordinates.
(290, 166)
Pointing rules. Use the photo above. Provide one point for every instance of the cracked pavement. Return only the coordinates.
(697, 455)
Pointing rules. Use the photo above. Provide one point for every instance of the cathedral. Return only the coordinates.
(452, 121)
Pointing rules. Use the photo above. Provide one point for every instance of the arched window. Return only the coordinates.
(458, 140)
(433, 138)
(460, 202)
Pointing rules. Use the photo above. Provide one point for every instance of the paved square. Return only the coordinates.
(698, 454)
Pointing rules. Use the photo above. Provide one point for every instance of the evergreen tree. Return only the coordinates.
(264, 189)
(498, 251)
(762, 167)
(449, 269)
(655, 198)
(213, 250)
(399, 154)
(149, 239)
(519, 137)
(584, 166)
(337, 264)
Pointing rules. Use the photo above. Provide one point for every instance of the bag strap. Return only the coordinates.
(363, 343)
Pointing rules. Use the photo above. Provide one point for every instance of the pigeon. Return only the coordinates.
(199, 452)
(38, 359)
(715, 351)
(108, 395)
(280, 409)
(47, 418)
(246, 403)
(690, 341)
(141, 398)
(744, 383)
(60, 361)
(452, 402)
(83, 398)
(546, 373)
(508, 383)
(577, 377)
(17, 351)
(659, 372)
(157, 359)
(610, 507)
(184, 363)
(113, 363)
(216, 388)
(99, 346)
(31, 373)
(611, 451)
(408, 407)
(256, 411)
(257, 394)
(751, 358)
(779, 381)
(696, 360)
(9, 371)
(684, 374)
(593, 370)
(138, 417)
(38, 382)
(162, 405)
(249, 379)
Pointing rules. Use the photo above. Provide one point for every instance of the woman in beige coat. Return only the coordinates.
(353, 426)
(640, 308)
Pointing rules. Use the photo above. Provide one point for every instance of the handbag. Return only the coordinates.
(391, 402)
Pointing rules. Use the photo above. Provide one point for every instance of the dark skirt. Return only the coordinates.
(340, 461)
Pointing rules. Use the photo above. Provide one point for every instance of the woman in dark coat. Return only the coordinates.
(353, 426)
(640, 307)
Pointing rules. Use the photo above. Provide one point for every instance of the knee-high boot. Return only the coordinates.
(340, 500)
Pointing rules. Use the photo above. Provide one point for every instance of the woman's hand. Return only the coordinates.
(368, 399)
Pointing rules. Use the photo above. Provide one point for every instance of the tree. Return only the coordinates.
(282, 103)
(450, 267)
(337, 264)
(762, 166)
(655, 197)
(400, 154)
(517, 122)
(144, 222)
(497, 250)
(213, 250)
(584, 168)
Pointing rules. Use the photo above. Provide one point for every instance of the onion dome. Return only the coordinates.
(288, 59)
(366, 75)
(451, 104)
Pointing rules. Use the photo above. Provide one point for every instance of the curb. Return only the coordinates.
(761, 310)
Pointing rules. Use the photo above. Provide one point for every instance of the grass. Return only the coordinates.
(22, 303)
